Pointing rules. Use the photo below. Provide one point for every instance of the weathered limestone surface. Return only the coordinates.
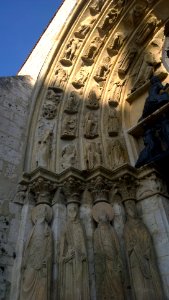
(15, 93)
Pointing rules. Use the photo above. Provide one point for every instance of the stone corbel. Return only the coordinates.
(150, 183)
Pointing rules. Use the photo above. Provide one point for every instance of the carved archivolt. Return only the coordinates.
(107, 56)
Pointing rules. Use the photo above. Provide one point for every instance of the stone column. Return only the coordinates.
(154, 209)
(59, 221)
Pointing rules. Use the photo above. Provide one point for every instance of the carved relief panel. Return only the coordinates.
(72, 103)
(69, 127)
(91, 125)
(69, 156)
(115, 153)
(93, 155)
(70, 52)
(52, 100)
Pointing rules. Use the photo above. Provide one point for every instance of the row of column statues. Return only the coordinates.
(73, 270)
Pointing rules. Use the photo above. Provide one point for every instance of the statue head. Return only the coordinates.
(130, 208)
(103, 218)
(41, 213)
(72, 211)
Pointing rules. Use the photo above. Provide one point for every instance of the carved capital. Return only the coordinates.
(151, 184)
(72, 187)
(100, 187)
(43, 190)
(127, 187)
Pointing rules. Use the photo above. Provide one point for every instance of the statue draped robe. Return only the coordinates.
(108, 265)
(73, 268)
(37, 263)
(142, 262)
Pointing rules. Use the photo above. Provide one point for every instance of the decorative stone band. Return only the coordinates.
(130, 183)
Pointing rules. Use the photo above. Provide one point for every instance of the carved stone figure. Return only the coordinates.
(53, 95)
(116, 44)
(60, 78)
(80, 78)
(37, 260)
(157, 97)
(69, 127)
(93, 50)
(93, 155)
(91, 125)
(115, 93)
(72, 103)
(109, 21)
(146, 30)
(151, 61)
(70, 52)
(69, 156)
(116, 154)
(96, 6)
(108, 263)
(49, 111)
(141, 257)
(151, 150)
(84, 27)
(73, 266)
(113, 122)
(103, 70)
(137, 14)
(93, 99)
(126, 61)
(44, 150)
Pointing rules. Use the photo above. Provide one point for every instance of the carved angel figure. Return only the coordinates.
(84, 27)
(37, 260)
(141, 257)
(73, 266)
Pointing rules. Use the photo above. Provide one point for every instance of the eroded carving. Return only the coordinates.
(96, 6)
(109, 21)
(141, 257)
(116, 44)
(94, 98)
(115, 94)
(52, 100)
(126, 61)
(70, 52)
(73, 266)
(116, 154)
(37, 260)
(147, 29)
(69, 127)
(93, 155)
(113, 122)
(103, 70)
(151, 61)
(60, 78)
(80, 78)
(44, 150)
(69, 156)
(20, 194)
(91, 125)
(84, 27)
(136, 15)
(108, 263)
(93, 50)
(72, 103)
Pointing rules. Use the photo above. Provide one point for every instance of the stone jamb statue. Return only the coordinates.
(73, 283)
(108, 263)
(141, 257)
(37, 260)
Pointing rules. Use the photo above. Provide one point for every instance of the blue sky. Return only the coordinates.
(21, 24)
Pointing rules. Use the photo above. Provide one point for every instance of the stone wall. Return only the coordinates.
(15, 93)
